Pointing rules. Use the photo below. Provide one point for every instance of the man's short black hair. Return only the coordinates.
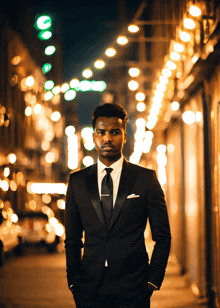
(109, 111)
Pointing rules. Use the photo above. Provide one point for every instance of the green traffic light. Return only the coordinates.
(86, 85)
(70, 95)
(44, 35)
(46, 68)
(44, 22)
(49, 84)
(50, 50)
(99, 86)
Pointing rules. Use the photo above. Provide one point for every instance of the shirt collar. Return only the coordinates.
(115, 166)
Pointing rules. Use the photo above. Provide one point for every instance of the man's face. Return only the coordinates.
(109, 137)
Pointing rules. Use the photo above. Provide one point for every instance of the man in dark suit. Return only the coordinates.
(110, 203)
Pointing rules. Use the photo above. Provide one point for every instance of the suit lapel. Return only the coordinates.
(126, 181)
(92, 185)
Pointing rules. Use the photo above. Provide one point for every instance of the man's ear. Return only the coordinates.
(125, 137)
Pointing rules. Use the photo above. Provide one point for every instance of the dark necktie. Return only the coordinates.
(107, 195)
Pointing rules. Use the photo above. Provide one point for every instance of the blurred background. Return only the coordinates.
(160, 60)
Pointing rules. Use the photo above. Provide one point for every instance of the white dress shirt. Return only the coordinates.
(115, 174)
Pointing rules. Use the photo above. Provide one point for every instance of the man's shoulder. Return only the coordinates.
(83, 172)
(144, 176)
(140, 169)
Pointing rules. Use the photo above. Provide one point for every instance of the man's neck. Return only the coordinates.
(109, 163)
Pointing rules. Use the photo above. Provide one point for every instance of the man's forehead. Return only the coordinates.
(104, 122)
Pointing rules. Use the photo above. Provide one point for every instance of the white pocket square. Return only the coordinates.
(133, 196)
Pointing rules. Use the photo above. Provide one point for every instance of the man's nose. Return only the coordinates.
(107, 137)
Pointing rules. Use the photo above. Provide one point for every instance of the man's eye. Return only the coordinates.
(115, 133)
(101, 133)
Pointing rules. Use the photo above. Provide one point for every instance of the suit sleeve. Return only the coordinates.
(74, 231)
(160, 229)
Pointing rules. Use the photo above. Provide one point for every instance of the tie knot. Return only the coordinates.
(108, 170)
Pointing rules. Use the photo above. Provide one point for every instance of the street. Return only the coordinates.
(38, 279)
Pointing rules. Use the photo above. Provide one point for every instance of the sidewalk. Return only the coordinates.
(174, 292)
(39, 281)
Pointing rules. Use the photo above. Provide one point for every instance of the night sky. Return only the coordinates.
(86, 27)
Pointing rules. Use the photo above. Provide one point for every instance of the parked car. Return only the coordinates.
(38, 228)
(9, 233)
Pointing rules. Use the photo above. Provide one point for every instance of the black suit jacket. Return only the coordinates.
(123, 244)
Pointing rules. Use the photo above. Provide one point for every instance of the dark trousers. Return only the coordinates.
(102, 298)
(113, 305)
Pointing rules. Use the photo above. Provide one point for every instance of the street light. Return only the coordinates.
(141, 106)
(134, 71)
(133, 85)
(29, 81)
(175, 106)
(74, 83)
(178, 47)
(122, 40)
(184, 36)
(195, 11)
(110, 52)
(140, 96)
(133, 28)
(174, 56)
(87, 73)
(99, 64)
(189, 23)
